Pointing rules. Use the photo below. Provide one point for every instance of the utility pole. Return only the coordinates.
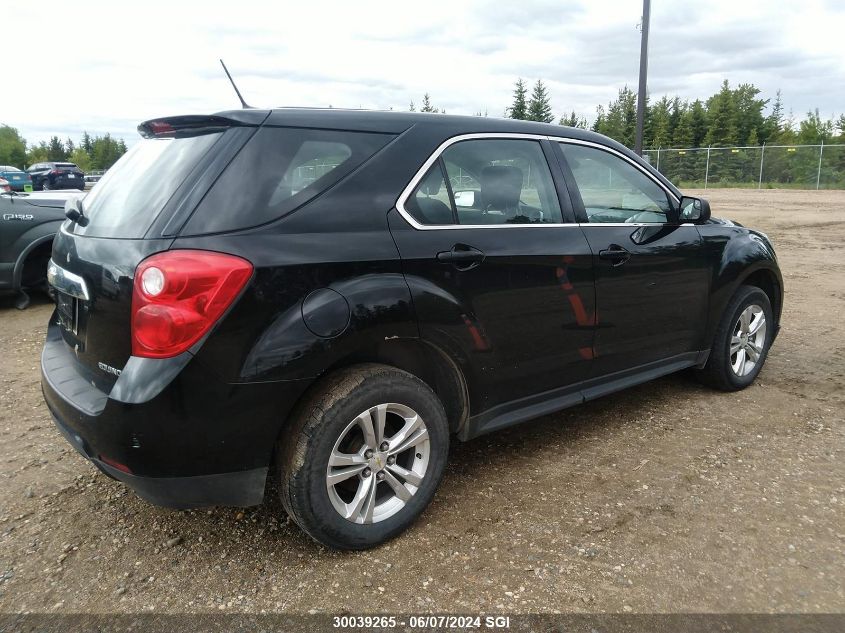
(641, 93)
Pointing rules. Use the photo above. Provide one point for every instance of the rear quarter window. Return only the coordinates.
(278, 171)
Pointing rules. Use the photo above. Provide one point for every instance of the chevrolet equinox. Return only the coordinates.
(329, 296)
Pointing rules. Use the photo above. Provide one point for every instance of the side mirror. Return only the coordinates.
(73, 211)
(695, 210)
(465, 198)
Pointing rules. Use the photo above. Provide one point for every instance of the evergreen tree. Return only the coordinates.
(573, 120)
(749, 112)
(773, 124)
(86, 143)
(412, 108)
(813, 130)
(683, 134)
(675, 117)
(722, 118)
(519, 108)
(660, 124)
(426, 105)
(599, 123)
(698, 123)
(539, 107)
(840, 127)
(56, 150)
(619, 121)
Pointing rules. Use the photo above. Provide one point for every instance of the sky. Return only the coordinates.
(106, 66)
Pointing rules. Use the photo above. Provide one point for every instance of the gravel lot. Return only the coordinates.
(665, 497)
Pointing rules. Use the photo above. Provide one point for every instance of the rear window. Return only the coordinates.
(129, 197)
(279, 170)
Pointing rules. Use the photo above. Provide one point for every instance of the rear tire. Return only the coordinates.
(394, 472)
(45, 185)
(741, 342)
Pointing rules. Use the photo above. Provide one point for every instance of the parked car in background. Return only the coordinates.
(92, 178)
(342, 325)
(18, 179)
(46, 176)
(28, 223)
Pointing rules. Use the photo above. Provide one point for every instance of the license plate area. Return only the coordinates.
(67, 308)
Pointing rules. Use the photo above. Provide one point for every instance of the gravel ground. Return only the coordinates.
(665, 497)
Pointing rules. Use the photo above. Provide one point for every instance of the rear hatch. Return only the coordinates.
(133, 212)
(67, 173)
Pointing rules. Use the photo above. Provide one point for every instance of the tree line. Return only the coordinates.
(90, 153)
(730, 117)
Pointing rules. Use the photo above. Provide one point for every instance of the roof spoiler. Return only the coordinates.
(188, 125)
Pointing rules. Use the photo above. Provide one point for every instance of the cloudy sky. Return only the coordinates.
(104, 67)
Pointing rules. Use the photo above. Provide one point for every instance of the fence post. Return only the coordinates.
(658, 159)
(762, 153)
(707, 168)
(819, 171)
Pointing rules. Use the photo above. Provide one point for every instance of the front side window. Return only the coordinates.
(490, 181)
(613, 190)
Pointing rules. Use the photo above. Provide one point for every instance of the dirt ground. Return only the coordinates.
(665, 497)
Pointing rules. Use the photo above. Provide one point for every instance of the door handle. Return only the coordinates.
(615, 254)
(462, 257)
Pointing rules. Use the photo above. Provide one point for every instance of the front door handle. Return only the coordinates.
(462, 257)
(615, 254)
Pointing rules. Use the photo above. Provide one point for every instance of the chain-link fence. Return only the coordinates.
(766, 166)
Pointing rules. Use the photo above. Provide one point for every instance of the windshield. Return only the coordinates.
(129, 197)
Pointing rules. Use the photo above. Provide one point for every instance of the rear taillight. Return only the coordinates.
(56, 172)
(179, 295)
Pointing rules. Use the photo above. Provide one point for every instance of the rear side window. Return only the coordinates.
(430, 203)
(130, 196)
(279, 170)
(487, 181)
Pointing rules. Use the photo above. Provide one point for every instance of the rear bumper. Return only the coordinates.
(66, 183)
(197, 442)
(243, 489)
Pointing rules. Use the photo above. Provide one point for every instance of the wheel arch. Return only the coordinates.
(425, 361)
(769, 282)
(36, 244)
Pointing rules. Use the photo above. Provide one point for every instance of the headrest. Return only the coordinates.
(501, 186)
(432, 182)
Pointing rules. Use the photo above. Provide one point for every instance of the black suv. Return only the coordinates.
(332, 295)
(46, 176)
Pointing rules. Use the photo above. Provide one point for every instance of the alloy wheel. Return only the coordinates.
(378, 463)
(748, 340)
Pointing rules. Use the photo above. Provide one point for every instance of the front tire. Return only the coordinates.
(741, 342)
(363, 456)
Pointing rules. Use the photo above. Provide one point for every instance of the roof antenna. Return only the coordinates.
(243, 103)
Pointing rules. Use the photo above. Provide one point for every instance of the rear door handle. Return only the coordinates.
(462, 257)
(615, 254)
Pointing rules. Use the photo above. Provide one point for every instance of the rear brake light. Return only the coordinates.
(160, 128)
(179, 295)
(55, 171)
